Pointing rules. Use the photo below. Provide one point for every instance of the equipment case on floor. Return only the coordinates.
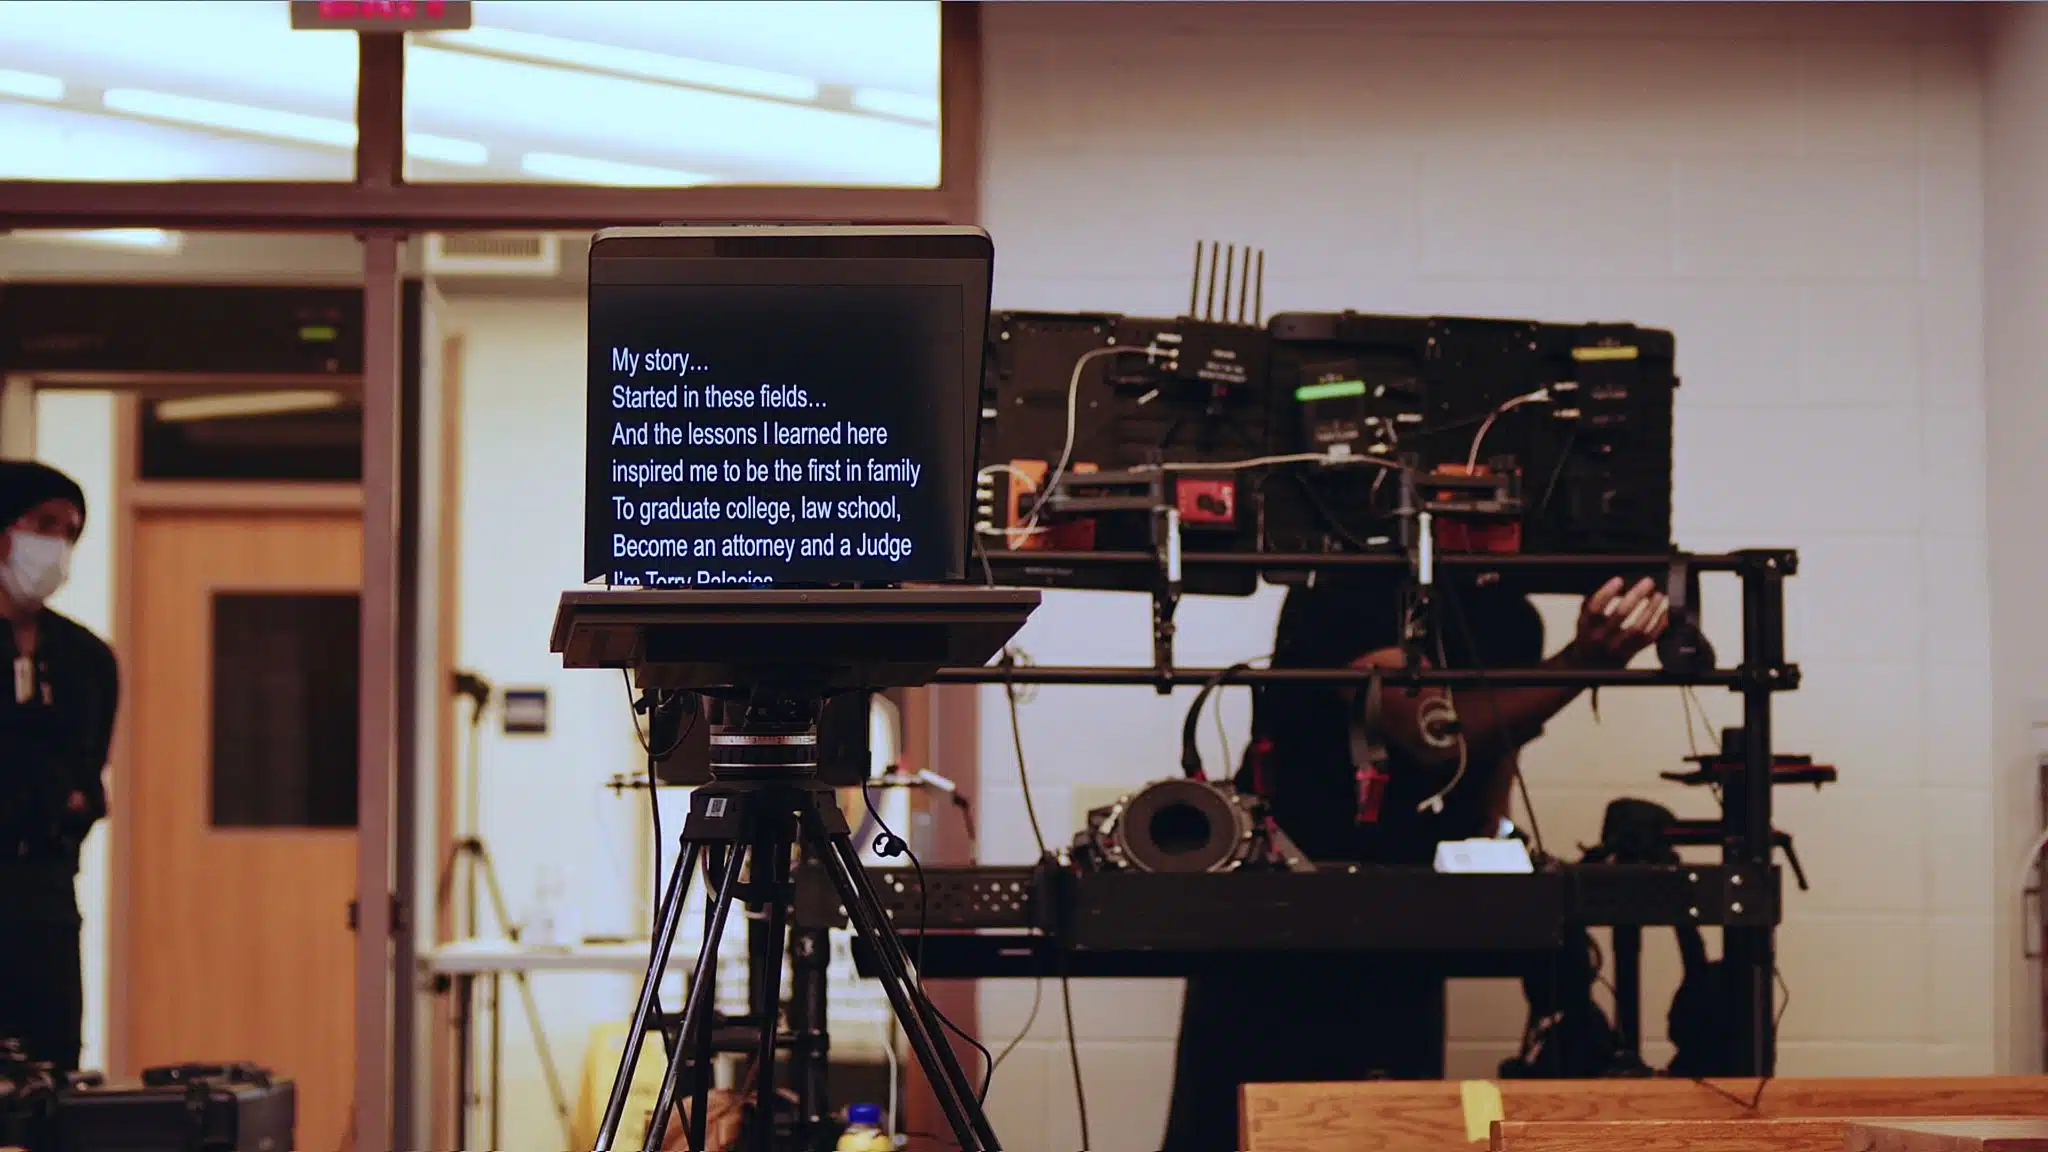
(183, 1108)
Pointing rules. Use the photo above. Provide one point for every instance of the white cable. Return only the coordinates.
(1264, 461)
(1443, 705)
(1216, 710)
(1052, 479)
(1010, 469)
(1009, 535)
(1485, 426)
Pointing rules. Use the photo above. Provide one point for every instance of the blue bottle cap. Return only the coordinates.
(869, 1114)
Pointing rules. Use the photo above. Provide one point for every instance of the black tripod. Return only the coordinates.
(765, 802)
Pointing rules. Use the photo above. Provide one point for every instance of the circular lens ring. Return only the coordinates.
(1174, 807)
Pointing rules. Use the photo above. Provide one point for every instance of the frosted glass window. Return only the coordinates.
(831, 92)
(163, 90)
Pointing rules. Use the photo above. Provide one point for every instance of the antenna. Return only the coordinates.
(1244, 283)
(1243, 270)
(1229, 266)
(1259, 301)
(1209, 309)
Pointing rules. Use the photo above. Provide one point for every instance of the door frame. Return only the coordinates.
(133, 497)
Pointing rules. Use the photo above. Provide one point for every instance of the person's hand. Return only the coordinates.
(76, 802)
(1614, 624)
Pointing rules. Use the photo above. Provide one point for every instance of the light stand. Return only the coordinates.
(771, 659)
(471, 854)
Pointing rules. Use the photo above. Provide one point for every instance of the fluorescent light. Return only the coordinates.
(233, 117)
(30, 85)
(237, 404)
(740, 138)
(445, 149)
(582, 170)
(143, 239)
(923, 109)
(280, 125)
(634, 62)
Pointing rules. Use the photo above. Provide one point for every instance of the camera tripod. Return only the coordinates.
(764, 803)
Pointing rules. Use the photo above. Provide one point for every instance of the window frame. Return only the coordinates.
(380, 200)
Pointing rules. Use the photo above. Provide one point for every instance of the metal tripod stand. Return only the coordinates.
(470, 853)
(764, 803)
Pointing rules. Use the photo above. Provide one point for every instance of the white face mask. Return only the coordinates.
(36, 567)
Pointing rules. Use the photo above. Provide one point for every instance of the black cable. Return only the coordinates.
(1191, 723)
(1329, 515)
(1030, 1018)
(1777, 1018)
(1564, 454)
(1037, 986)
(1059, 954)
(966, 807)
(887, 844)
(1009, 665)
(646, 741)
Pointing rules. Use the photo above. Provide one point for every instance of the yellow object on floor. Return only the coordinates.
(600, 1064)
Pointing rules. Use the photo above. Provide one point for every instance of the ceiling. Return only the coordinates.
(837, 92)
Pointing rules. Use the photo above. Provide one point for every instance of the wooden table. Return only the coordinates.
(2001, 1134)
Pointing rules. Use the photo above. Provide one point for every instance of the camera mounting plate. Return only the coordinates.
(790, 641)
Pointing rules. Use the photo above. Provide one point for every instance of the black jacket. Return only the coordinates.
(56, 726)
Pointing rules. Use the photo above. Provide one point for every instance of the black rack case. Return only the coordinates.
(183, 1108)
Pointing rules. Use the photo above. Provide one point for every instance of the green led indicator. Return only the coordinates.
(1333, 390)
(318, 334)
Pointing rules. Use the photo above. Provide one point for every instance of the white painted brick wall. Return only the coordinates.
(1797, 191)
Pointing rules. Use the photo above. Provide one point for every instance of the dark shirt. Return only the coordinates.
(1302, 761)
(53, 743)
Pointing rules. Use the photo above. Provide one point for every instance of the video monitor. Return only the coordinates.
(783, 406)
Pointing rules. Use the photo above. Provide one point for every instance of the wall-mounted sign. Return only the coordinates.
(526, 711)
(381, 15)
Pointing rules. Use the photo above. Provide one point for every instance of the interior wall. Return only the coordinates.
(2016, 211)
(1796, 191)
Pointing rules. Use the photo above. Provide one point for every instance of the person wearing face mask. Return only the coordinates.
(57, 709)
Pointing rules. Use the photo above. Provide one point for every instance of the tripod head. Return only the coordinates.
(763, 735)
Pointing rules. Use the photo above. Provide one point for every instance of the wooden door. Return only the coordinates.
(241, 687)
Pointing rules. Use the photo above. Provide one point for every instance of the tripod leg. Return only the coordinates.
(700, 1044)
(773, 851)
(697, 1006)
(497, 1057)
(949, 1081)
(636, 1035)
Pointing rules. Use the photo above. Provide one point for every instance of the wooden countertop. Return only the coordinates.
(1989, 1134)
